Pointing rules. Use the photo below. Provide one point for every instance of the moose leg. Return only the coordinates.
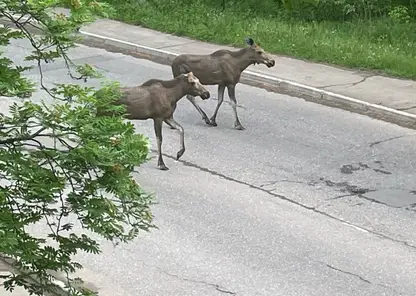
(221, 89)
(170, 125)
(231, 94)
(182, 135)
(158, 131)
(203, 114)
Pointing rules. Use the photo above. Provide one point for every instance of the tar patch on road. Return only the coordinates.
(395, 198)
(345, 187)
(351, 168)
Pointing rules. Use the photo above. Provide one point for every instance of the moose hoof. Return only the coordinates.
(163, 167)
(180, 153)
(207, 121)
(213, 122)
(239, 127)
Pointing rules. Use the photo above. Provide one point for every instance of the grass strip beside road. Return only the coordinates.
(382, 45)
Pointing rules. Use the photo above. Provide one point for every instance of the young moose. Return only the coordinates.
(157, 99)
(223, 68)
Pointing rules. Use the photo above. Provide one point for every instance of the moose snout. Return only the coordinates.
(205, 95)
(270, 63)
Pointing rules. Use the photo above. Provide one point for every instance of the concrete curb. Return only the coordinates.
(308, 93)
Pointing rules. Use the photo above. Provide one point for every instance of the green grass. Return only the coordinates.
(382, 45)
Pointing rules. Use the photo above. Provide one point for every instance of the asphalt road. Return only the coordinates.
(308, 200)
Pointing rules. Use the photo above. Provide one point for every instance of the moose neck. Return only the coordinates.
(243, 58)
(177, 91)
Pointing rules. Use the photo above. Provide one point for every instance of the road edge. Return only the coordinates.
(270, 83)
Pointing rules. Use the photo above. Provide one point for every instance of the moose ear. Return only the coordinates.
(250, 41)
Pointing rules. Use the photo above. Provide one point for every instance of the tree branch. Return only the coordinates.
(23, 138)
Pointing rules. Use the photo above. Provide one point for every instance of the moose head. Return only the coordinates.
(258, 54)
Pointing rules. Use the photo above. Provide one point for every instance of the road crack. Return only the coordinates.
(285, 198)
(341, 196)
(359, 277)
(216, 286)
(350, 84)
(390, 139)
(271, 183)
(382, 171)
(347, 272)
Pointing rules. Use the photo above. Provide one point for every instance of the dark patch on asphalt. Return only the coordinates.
(411, 207)
(351, 168)
(346, 187)
(394, 198)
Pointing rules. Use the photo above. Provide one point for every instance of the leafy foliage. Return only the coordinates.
(62, 168)
(320, 10)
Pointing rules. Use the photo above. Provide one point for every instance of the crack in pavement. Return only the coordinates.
(382, 171)
(271, 183)
(285, 198)
(358, 276)
(390, 139)
(350, 84)
(341, 196)
(347, 272)
(216, 286)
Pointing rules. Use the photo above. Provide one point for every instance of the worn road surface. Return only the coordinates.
(307, 201)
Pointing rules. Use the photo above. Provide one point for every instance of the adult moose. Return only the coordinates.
(223, 68)
(157, 99)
